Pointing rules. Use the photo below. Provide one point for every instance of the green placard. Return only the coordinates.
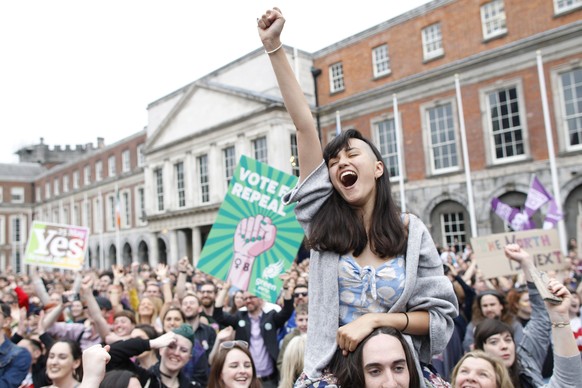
(55, 245)
(255, 237)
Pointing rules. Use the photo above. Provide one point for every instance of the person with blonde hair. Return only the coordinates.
(478, 367)
(292, 364)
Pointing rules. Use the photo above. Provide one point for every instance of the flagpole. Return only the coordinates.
(117, 224)
(338, 123)
(466, 158)
(399, 152)
(101, 258)
(551, 154)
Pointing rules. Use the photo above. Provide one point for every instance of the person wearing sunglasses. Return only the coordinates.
(300, 297)
(259, 328)
(233, 367)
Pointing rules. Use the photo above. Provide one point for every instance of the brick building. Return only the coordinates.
(492, 46)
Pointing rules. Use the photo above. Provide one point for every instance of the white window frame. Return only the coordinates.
(381, 60)
(16, 233)
(432, 42)
(488, 126)
(125, 208)
(493, 19)
(87, 175)
(139, 205)
(110, 212)
(75, 179)
(229, 163)
(564, 6)
(56, 187)
(384, 148)
(452, 223)
(98, 171)
(336, 77)
(18, 192)
(159, 188)
(180, 180)
(66, 183)
(47, 189)
(261, 149)
(560, 108)
(126, 161)
(2, 230)
(428, 138)
(111, 166)
(38, 194)
(203, 178)
(140, 155)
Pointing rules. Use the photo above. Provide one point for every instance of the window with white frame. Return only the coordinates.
(336, 77)
(159, 179)
(140, 155)
(432, 41)
(386, 134)
(493, 19)
(260, 149)
(126, 208)
(141, 205)
(56, 190)
(111, 212)
(38, 194)
(75, 180)
(381, 60)
(507, 133)
(126, 161)
(229, 156)
(294, 155)
(66, 183)
(453, 229)
(15, 231)
(87, 175)
(181, 190)
(443, 141)
(571, 85)
(47, 190)
(98, 170)
(65, 219)
(2, 194)
(561, 6)
(2, 230)
(203, 176)
(17, 195)
(111, 165)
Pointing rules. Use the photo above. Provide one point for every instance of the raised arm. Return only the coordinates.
(94, 310)
(270, 26)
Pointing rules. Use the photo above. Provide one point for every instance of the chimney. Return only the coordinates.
(100, 142)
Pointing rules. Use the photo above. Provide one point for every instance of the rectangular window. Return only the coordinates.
(204, 182)
(159, 188)
(453, 229)
(381, 60)
(47, 190)
(65, 219)
(294, 155)
(87, 175)
(229, 163)
(56, 190)
(87, 214)
(432, 41)
(140, 155)
(388, 147)
(2, 194)
(126, 161)
(38, 194)
(126, 209)
(336, 77)
(17, 194)
(506, 128)
(561, 6)
(15, 229)
(111, 212)
(98, 170)
(181, 191)
(571, 83)
(442, 138)
(111, 165)
(65, 184)
(260, 149)
(75, 180)
(493, 19)
(141, 204)
(2, 230)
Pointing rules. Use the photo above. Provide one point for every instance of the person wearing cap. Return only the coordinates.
(14, 360)
(175, 348)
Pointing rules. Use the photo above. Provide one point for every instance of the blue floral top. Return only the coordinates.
(368, 290)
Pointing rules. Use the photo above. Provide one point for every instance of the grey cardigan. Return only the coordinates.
(426, 288)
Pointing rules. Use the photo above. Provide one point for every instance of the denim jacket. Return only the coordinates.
(14, 364)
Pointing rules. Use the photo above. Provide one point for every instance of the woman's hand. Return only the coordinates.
(270, 25)
(350, 335)
(97, 357)
(516, 253)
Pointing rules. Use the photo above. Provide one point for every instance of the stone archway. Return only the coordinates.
(127, 259)
(111, 258)
(143, 253)
(162, 252)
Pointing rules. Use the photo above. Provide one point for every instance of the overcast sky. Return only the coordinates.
(72, 71)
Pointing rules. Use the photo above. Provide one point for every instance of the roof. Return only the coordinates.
(20, 172)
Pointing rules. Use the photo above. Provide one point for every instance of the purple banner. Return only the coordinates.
(553, 216)
(503, 210)
(537, 196)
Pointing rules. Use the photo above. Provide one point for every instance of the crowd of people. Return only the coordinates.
(375, 304)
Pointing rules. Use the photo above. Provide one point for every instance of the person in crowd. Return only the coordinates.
(207, 296)
(236, 301)
(14, 360)
(148, 358)
(64, 364)
(519, 306)
(120, 379)
(493, 305)
(370, 265)
(190, 305)
(301, 319)
(524, 359)
(300, 296)
(233, 367)
(479, 369)
(575, 321)
(291, 361)
(148, 312)
(259, 329)
(371, 365)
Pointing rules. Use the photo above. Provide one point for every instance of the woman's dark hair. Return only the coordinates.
(118, 378)
(337, 227)
(76, 353)
(350, 370)
(214, 378)
(489, 327)
(174, 308)
(150, 331)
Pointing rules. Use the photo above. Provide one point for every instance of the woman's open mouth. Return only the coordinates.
(348, 178)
